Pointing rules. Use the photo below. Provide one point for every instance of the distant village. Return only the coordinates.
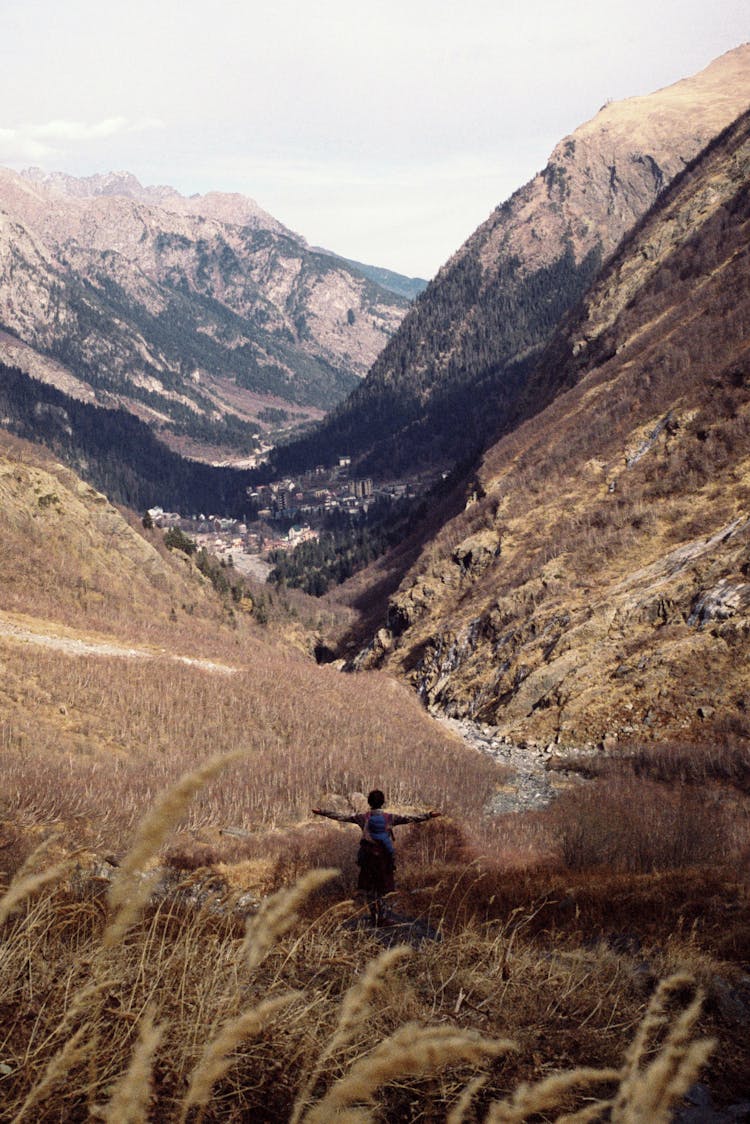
(289, 512)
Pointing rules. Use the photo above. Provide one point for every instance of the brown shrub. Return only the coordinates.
(630, 824)
(725, 759)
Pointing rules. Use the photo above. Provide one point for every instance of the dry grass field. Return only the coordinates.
(549, 941)
(178, 936)
(117, 1006)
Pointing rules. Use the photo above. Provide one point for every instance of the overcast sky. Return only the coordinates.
(385, 130)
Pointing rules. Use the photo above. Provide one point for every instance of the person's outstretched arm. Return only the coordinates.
(342, 817)
(420, 818)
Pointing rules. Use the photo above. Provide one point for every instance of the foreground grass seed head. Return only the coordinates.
(356, 1049)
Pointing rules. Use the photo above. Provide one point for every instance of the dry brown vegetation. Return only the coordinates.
(172, 987)
(555, 947)
(725, 759)
(77, 730)
(191, 1013)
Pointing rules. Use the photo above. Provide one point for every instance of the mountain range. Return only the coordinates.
(570, 927)
(595, 588)
(204, 316)
(450, 379)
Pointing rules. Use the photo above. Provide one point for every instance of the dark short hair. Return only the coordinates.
(375, 799)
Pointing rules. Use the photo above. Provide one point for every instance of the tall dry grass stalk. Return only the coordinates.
(132, 887)
(277, 915)
(531, 1099)
(129, 1104)
(588, 1115)
(646, 1091)
(76, 1049)
(129, 893)
(22, 888)
(649, 1089)
(355, 1008)
(457, 1114)
(216, 1059)
(412, 1051)
(32, 862)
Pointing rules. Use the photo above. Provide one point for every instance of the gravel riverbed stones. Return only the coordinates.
(531, 784)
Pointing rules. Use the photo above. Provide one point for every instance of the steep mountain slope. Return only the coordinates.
(444, 384)
(199, 315)
(69, 557)
(598, 582)
(409, 287)
(117, 453)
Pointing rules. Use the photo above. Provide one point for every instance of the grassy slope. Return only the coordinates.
(73, 566)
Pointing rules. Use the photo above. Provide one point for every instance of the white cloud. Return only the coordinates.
(145, 124)
(76, 130)
(17, 147)
(53, 140)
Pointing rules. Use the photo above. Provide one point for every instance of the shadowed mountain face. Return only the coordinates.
(205, 317)
(598, 581)
(449, 379)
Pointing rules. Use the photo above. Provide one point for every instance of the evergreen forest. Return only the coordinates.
(118, 454)
(434, 395)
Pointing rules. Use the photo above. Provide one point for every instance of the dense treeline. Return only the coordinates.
(434, 394)
(117, 453)
(347, 544)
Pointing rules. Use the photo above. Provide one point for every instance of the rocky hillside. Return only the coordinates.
(597, 585)
(446, 382)
(204, 316)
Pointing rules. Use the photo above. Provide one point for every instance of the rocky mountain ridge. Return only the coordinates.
(597, 586)
(450, 378)
(203, 316)
(231, 207)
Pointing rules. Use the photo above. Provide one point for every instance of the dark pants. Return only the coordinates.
(376, 877)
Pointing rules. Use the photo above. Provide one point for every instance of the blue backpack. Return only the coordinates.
(377, 830)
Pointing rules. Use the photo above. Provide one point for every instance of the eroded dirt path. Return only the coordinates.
(45, 634)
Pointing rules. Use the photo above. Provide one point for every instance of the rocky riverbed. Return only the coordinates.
(530, 784)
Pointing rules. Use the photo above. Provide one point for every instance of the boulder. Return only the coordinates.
(477, 552)
(718, 604)
(539, 684)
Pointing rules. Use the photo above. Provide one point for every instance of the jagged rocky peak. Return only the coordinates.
(229, 207)
(101, 183)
